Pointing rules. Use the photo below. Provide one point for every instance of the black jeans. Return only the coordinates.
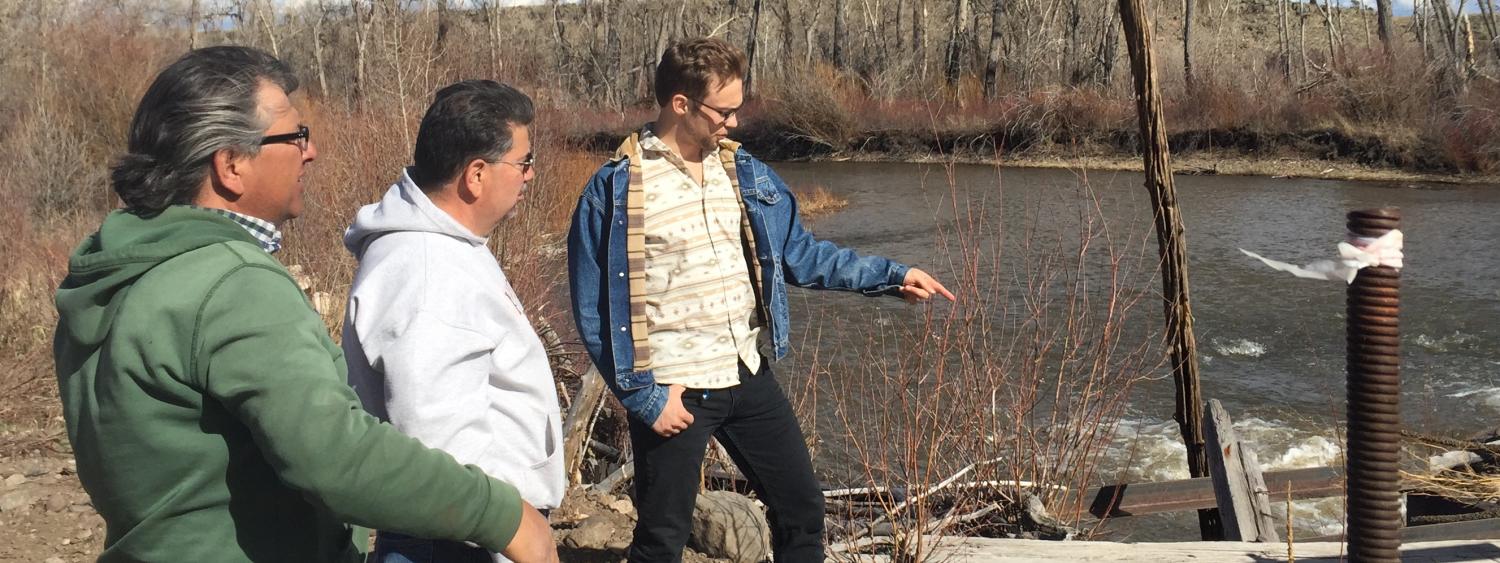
(755, 423)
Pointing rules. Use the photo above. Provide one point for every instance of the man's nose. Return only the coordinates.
(311, 153)
(732, 122)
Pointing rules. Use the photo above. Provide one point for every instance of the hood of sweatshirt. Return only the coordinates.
(403, 208)
(125, 247)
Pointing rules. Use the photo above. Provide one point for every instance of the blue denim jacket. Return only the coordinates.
(599, 277)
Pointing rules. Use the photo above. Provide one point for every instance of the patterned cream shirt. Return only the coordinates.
(700, 303)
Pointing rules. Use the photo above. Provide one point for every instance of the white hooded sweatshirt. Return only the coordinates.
(438, 345)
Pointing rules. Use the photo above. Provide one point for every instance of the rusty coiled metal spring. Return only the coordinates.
(1374, 407)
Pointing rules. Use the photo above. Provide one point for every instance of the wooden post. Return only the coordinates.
(580, 421)
(1239, 488)
(1170, 242)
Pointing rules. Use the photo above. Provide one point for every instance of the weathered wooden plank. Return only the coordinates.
(1487, 529)
(986, 550)
(580, 421)
(1239, 489)
(1137, 499)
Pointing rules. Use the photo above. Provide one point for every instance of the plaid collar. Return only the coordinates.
(265, 233)
(650, 142)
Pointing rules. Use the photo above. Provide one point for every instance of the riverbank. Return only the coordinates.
(1205, 164)
(1315, 154)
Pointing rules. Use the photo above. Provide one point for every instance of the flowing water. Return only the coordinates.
(1271, 346)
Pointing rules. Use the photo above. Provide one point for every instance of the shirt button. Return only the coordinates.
(622, 329)
(622, 274)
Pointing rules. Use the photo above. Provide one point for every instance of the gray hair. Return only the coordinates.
(201, 104)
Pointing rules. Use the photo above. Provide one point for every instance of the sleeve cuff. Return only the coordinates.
(893, 282)
(502, 517)
(646, 403)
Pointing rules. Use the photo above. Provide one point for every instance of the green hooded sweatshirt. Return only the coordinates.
(209, 413)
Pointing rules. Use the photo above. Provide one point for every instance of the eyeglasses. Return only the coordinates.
(724, 113)
(524, 166)
(300, 138)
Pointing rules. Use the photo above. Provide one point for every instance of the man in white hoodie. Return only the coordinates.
(437, 341)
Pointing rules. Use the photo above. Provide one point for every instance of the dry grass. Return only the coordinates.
(817, 200)
(1463, 486)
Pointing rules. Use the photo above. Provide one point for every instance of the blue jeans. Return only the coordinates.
(391, 547)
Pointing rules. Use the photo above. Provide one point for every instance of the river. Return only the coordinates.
(1271, 346)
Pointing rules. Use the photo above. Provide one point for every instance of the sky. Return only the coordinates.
(1404, 7)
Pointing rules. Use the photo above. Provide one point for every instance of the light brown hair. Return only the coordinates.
(690, 67)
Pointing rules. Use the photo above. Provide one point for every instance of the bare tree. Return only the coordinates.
(839, 29)
(491, 10)
(992, 63)
(318, 48)
(1074, 53)
(1109, 45)
(440, 42)
(1286, 40)
(919, 35)
(1384, 25)
(750, 48)
(1187, 42)
(788, 36)
(193, 18)
(958, 39)
(1487, 9)
(266, 17)
(1332, 29)
(363, 21)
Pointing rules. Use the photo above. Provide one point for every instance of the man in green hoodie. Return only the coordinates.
(205, 401)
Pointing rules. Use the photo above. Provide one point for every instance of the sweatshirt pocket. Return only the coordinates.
(551, 445)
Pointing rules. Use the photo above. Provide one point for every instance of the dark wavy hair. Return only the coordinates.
(202, 103)
(467, 120)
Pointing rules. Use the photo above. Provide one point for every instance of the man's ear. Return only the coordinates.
(229, 173)
(471, 179)
(679, 104)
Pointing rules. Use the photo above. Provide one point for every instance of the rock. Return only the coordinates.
(1044, 525)
(727, 525)
(593, 533)
(35, 468)
(54, 560)
(15, 500)
(58, 502)
(619, 545)
(86, 534)
(623, 506)
(14, 480)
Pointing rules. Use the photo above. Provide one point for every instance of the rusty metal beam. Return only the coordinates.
(1190, 494)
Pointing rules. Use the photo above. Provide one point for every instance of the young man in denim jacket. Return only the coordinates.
(679, 255)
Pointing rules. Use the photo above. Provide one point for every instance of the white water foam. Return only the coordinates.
(1446, 343)
(1153, 451)
(1238, 347)
(1490, 396)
